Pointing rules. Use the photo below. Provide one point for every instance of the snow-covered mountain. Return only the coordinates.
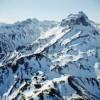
(61, 63)
(20, 34)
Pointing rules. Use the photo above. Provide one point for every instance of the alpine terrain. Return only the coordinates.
(49, 60)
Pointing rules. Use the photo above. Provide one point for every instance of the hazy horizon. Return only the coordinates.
(18, 10)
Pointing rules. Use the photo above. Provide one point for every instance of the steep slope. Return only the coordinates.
(63, 64)
(18, 35)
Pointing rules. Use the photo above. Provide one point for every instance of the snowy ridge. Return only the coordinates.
(62, 64)
(19, 35)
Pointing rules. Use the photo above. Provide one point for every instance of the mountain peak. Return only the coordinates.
(77, 16)
(76, 19)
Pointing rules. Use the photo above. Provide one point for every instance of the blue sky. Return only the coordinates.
(17, 10)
